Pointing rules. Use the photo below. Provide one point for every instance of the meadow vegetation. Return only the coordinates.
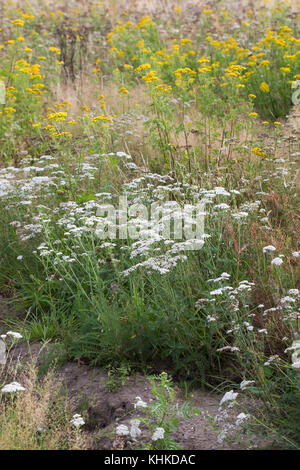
(194, 103)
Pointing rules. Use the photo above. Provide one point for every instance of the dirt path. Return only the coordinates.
(103, 410)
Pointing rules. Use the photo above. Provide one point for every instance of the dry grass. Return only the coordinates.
(37, 418)
(143, 7)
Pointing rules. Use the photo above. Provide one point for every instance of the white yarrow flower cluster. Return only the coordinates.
(77, 420)
(14, 334)
(241, 418)
(140, 403)
(276, 261)
(296, 354)
(268, 248)
(229, 397)
(159, 433)
(12, 388)
(122, 430)
(135, 431)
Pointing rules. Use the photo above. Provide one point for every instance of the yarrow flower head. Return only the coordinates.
(140, 403)
(14, 334)
(229, 397)
(12, 388)
(135, 430)
(268, 248)
(77, 420)
(276, 261)
(159, 433)
(122, 430)
(241, 418)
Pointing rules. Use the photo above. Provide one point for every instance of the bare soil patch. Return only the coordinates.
(86, 389)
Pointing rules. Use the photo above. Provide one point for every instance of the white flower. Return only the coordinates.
(241, 418)
(222, 435)
(14, 334)
(296, 354)
(296, 254)
(19, 258)
(272, 359)
(210, 318)
(294, 292)
(228, 348)
(229, 396)
(122, 430)
(135, 430)
(222, 206)
(268, 248)
(277, 261)
(244, 384)
(140, 403)
(158, 434)
(77, 420)
(12, 387)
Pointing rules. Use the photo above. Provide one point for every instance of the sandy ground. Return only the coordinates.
(103, 410)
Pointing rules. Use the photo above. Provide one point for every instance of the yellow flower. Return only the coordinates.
(145, 21)
(264, 63)
(162, 88)
(27, 16)
(203, 59)
(102, 117)
(264, 87)
(285, 69)
(60, 116)
(277, 123)
(150, 77)
(9, 110)
(258, 151)
(253, 114)
(143, 67)
(17, 22)
(123, 91)
(54, 49)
